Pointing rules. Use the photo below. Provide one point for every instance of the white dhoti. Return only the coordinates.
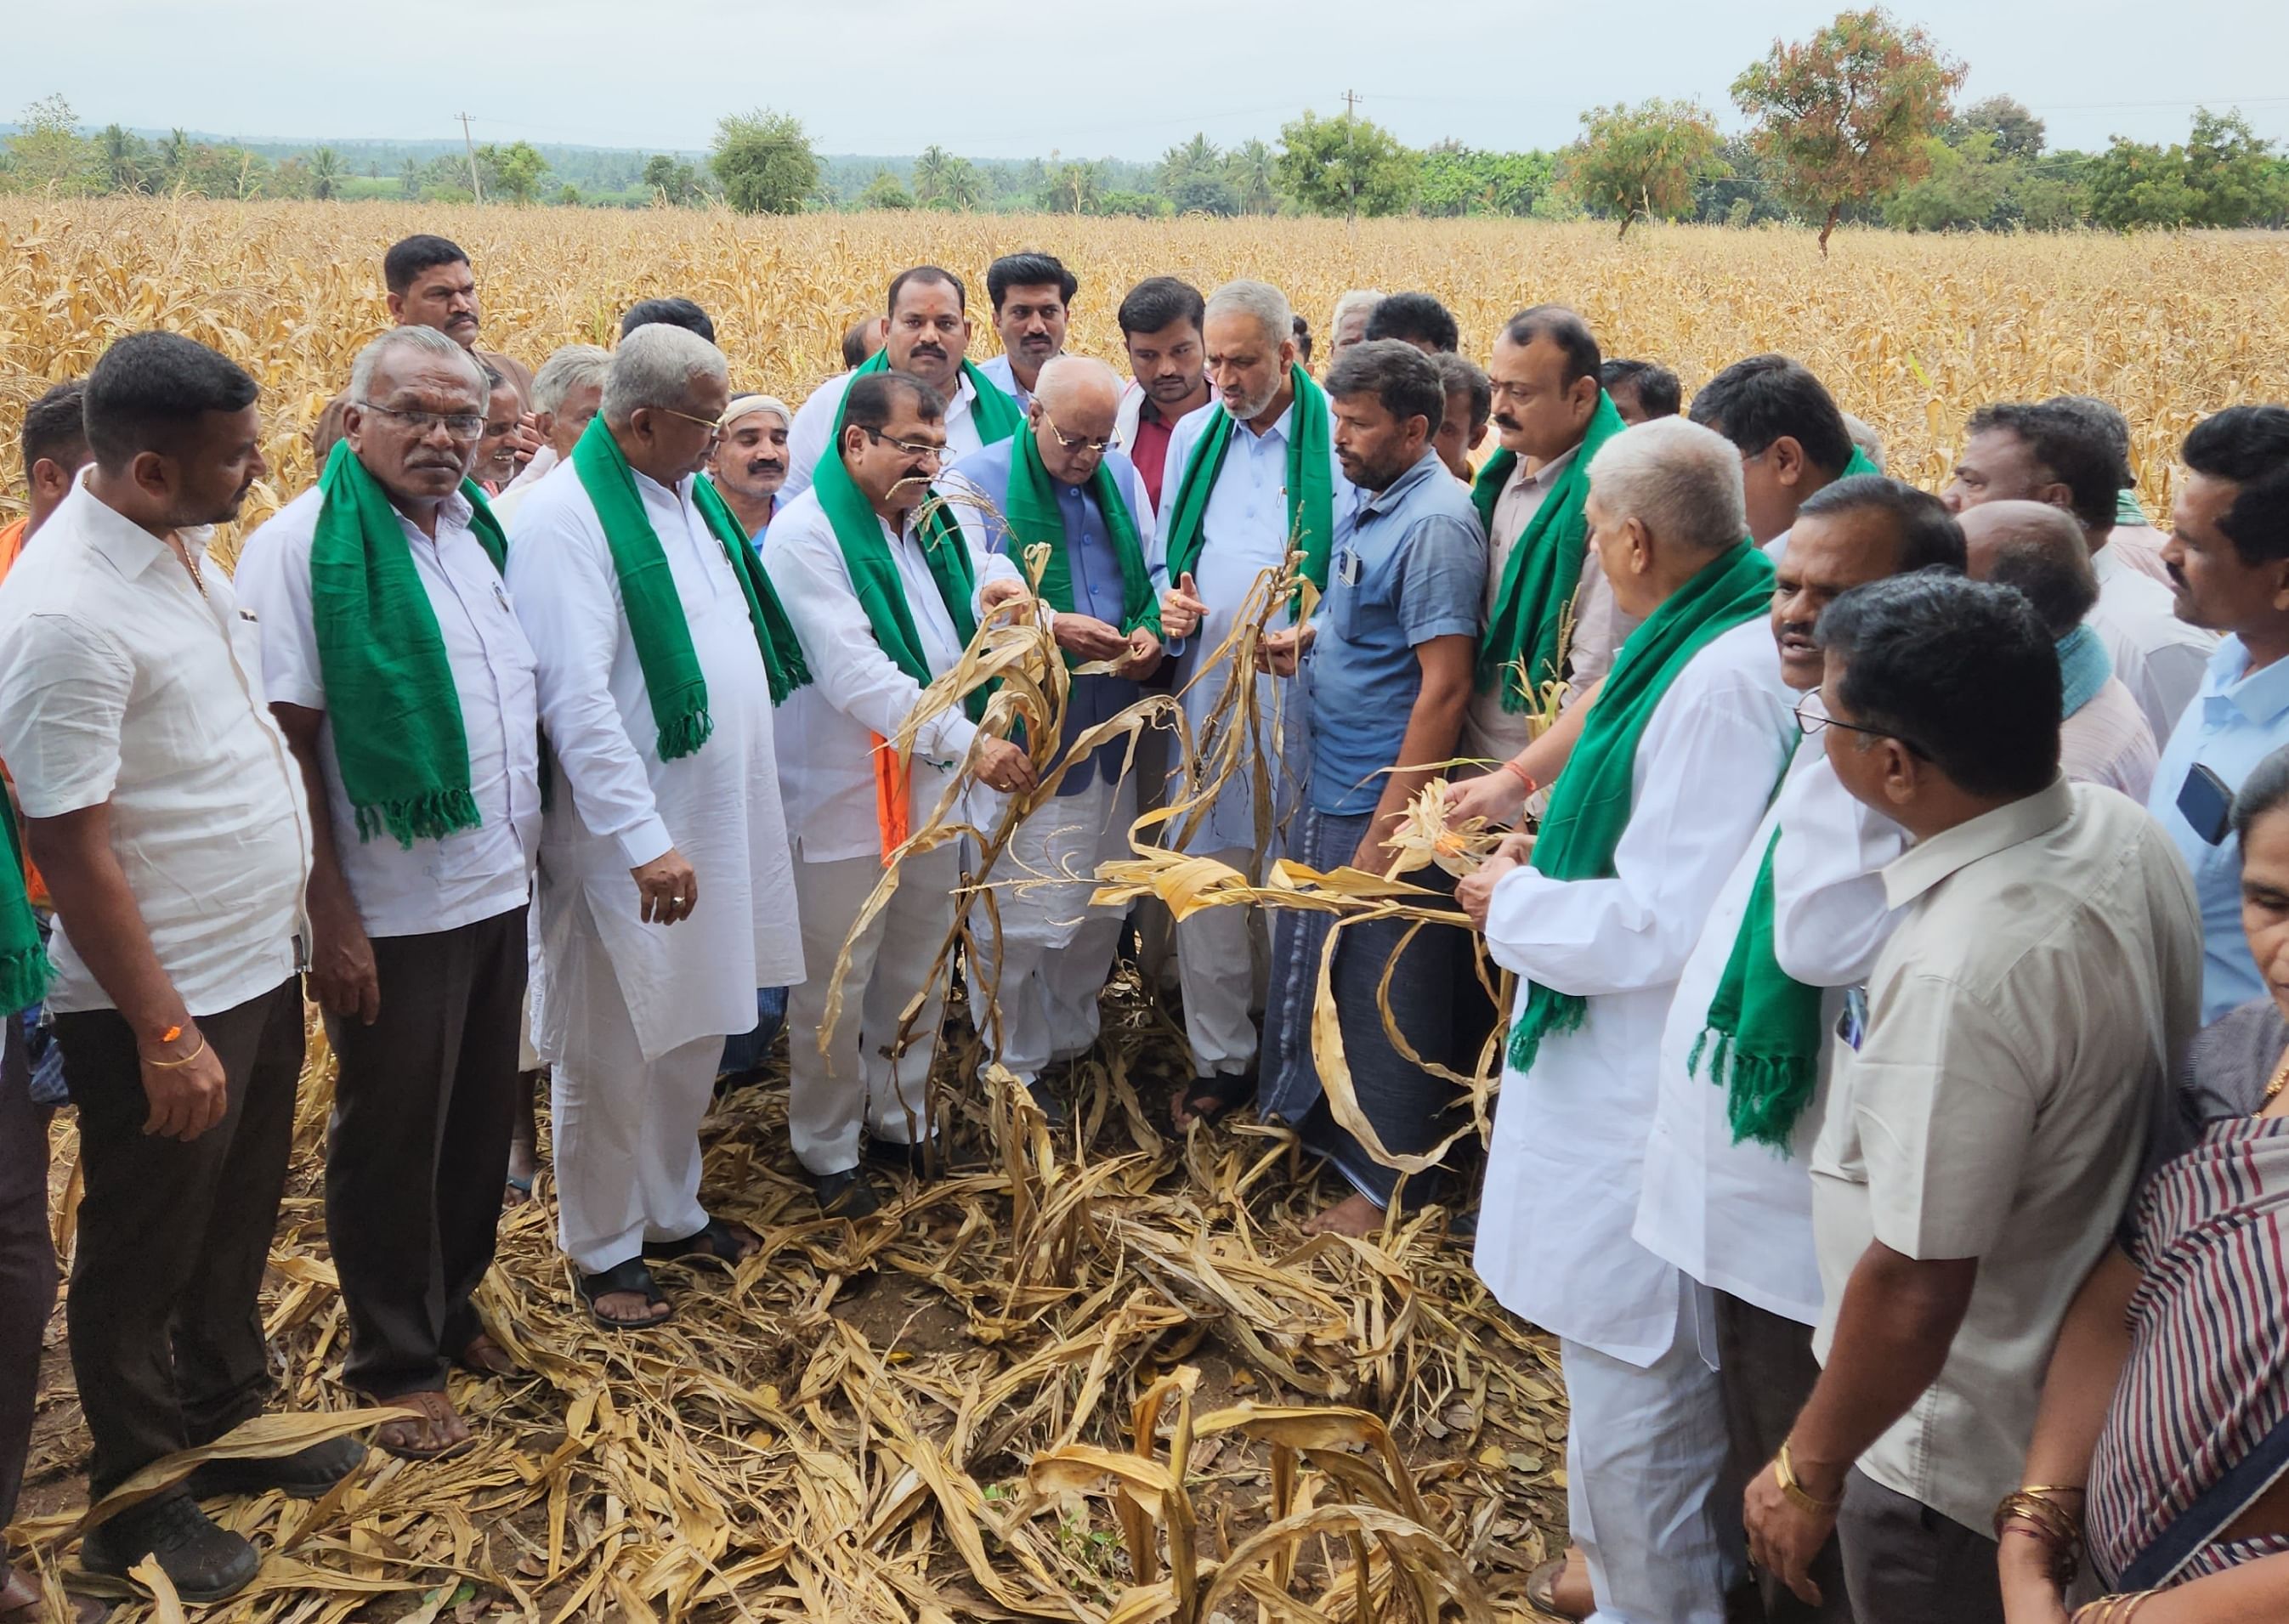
(1056, 950)
(829, 1096)
(627, 1127)
(1645, 1450)
(1222, 962)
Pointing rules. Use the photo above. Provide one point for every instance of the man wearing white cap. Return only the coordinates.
(750, 461)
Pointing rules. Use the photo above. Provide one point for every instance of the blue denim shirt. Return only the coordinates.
(1097, 588)
(2237, 720)
(1411, 568)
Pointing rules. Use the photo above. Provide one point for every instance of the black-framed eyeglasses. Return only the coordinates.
(912, 447)
(460, 425)
(1074, 442)
(1811, 724)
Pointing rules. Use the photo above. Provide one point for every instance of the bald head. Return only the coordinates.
(2038, 549)
(1076, 402)
(1077, 383)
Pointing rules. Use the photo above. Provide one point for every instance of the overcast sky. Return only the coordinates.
(996, 78)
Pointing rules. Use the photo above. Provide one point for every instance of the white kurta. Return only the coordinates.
(615, 805)
(1738, 1217)
(1564, 1170)
(813, 428)
(1244, 532)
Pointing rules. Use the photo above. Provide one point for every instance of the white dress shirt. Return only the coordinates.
(120, 682)
(2159, 657)
(1566, 1168)
(470, 874)
(615, 805)
(856, 689)
(1737, 1216)
(813, 429)
(1244, 532)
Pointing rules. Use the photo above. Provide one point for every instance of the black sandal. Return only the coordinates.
(1209, 1099)
(632, 1276)
(716, 1246)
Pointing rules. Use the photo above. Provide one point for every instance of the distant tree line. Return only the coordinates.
(1857, 123)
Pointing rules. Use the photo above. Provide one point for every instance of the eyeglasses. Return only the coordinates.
(460, 425)
(1811, 724)
(912, 447)
(1074, 442)
(715, 429)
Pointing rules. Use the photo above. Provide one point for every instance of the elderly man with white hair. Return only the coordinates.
(404, 687)
(1245, 485)
(1347, 324)
(749, 468)
(566, 392)
(1059, 483)
(1598, 915)
(663, 861)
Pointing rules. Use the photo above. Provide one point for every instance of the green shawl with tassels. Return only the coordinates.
(399, 740)
(1311, 486)
(1036, 519)
(23, 961)
(655, 613)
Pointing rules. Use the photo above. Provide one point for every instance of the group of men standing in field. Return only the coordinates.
(569, 720)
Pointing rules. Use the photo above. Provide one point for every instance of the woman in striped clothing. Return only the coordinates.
(2163, 1435)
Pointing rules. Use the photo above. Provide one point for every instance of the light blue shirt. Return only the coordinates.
(2238, 718)
(1411, 568)
(1097, 587)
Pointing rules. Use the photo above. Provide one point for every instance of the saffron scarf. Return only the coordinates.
(1589, 804)
(1310, 485)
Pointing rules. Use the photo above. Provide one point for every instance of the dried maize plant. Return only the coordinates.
(1398, 1568)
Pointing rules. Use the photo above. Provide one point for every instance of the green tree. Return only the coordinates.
(325, 173)
(1196, 160)
(1072, 187)
(122, 160)
(173, 157)
(2235, 177)
(1203, 193)
(2018, 133)
(514, 171)
(1136, 205)
(1458, 179)
(766, 163)
(946, 180)
(409, 180)
(568, 197)
(47, 152)
(1253, 169)
(672, 181)
(1346, 165)
(2135, 184)
(1842, 118)
(1968, 184)
(885, 191)
(1644, 159)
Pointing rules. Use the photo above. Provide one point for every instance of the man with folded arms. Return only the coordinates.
(404, 684)
(1675, 766)
(662, 651)
(885, 594)
(166, 811)
(1985, 1129)
(1059, 483)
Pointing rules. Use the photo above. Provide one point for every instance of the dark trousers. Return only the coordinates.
(166, 1332)
(416, 1150)
(1436, 1002)
(1906, 1563)
(28, 1260)
(1764, 1372)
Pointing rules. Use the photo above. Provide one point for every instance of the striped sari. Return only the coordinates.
(2208, 1371)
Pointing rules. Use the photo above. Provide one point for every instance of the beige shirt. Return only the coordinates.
(2108, 742)
(1490, 732)
(2022, 1023)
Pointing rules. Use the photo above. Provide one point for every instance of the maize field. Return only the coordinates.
(1096, 1373)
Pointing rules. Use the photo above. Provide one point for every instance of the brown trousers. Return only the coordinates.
(166, 1331)
(417, 1152)
(1765, 1372)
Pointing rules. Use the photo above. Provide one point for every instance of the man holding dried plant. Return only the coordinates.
(1057, 483)
(1246, 485)
(662, 651)
(1389, 666)
(1597, 914)
(398, 672)
(885, 594)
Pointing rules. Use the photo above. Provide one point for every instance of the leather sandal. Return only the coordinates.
(717, 1246)
(633, 1278)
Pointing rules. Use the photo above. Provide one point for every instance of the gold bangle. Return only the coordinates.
(1784, 1472)
(170, 1065)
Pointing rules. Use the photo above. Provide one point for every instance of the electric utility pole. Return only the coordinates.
(476, 188)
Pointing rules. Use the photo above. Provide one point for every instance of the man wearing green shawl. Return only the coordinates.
(926, 335)
(1746, 1050)
(1057, 483)
(1675, 765)
(662, 900)
(1549, 612)
(403, 684)
(886, 593)
(1244, 485)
